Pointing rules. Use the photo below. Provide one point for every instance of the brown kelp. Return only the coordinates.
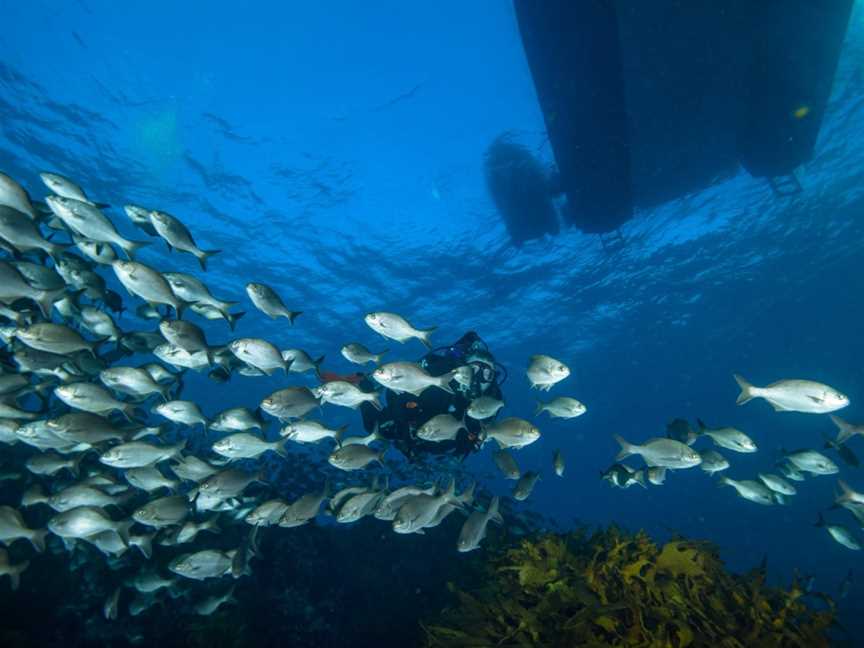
(612, 588)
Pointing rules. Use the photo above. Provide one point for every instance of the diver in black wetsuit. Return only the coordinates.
(403, 414)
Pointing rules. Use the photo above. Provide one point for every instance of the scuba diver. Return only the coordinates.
(403, 414)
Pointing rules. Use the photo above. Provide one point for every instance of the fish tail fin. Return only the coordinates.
(377, 357)
(639, 476)
(819, 522)
(340, 433)
(724, 481)
(15, 572)
(844, 430)
(627, 449)
(701, 427)
(75, 467)
(45, 300)
(280, 449)
(425, 336)
(450, 492)
(376, 402)
(380, 457)
(444, 381)
(145, 544)
(293, 315)
(128, 411)
(845, 493)
(746, 394)
(232, 318)
(539, 408)
(37, 539)
(203, 255)
(123, 530)
(493, 513)
(130, 247)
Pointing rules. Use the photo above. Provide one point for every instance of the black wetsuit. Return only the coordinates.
(403, 414)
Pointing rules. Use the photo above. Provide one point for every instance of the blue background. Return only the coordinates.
(333, 150)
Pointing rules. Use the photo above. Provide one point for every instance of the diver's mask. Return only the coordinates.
(484, 374)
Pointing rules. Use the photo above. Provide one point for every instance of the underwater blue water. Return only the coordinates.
(334, 151)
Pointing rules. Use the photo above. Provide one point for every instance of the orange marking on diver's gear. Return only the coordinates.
(411, 404)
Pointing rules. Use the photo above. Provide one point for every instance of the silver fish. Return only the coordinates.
(137, 454)
(149, 479)
(14, 286)
(751, 490)
(661, 452)
(713, 461)
(64, 187)
(474, 530)
(259, 354)
(140, 216)
(561, 407)
(181, 358)
(236, 419)
(181, 411)
(267, 513)
(513, 433)
(340, 392)
(209, 604)
(132, 381)
(777, 484)
(525, 485)
(14, 196)
(545, 371)
(396, 327)
(841, 534)
(305, 508)
(812, 462)
(80, 495)
(243, 445)
(12, 571)
(201, 565)
(268, 302)
(418, 511)
(401, 377)
(193, 469)
(291, 402)
(99, 323)
(484, 407)
(12, 528)
(794, 396)
(442, 427)
(92, 398)
(355, 457)
(145, 282)
(23, 234)
(85, 521)
(191, 289)
(54, 338)
(359, 506)
(162, 512)
(177, 236)
(558, 463)
(101, 253)
(88, 221)
(306, 431)
(728, 437)
(359, 354)
(185, 335)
